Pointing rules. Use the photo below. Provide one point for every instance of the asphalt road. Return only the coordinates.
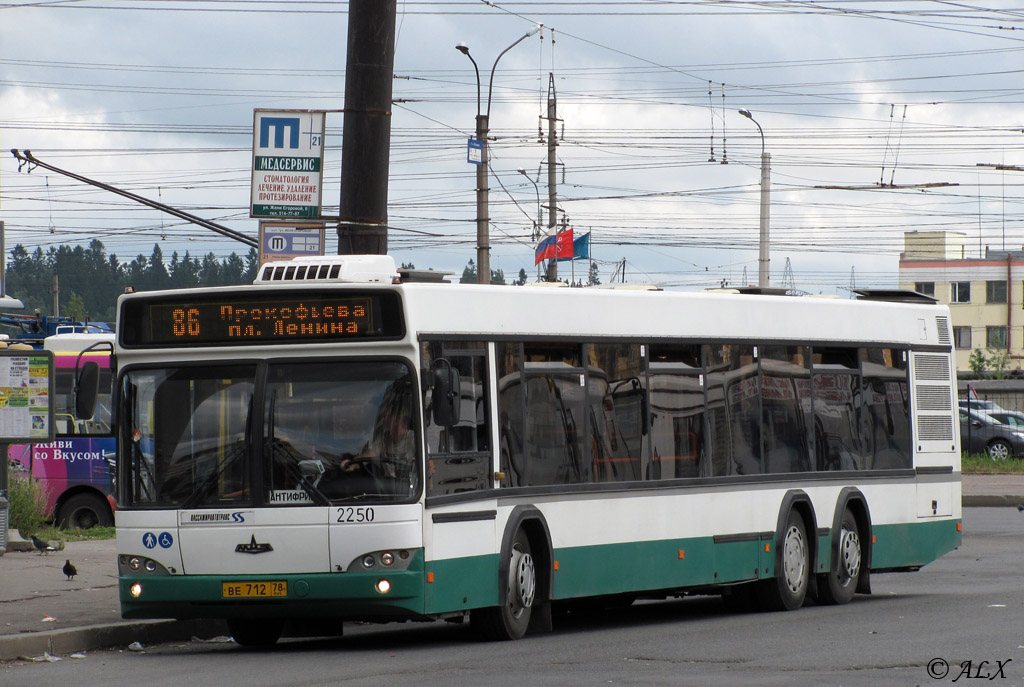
(916, 629)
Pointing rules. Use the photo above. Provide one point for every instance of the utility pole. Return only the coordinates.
(483, 119)
(56, 295)
(763, 253)
(366, 141)
(552, 169)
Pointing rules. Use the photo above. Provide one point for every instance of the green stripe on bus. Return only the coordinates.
(461, 583)
(915, 544)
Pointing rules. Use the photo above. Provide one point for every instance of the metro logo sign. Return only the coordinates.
(287, 158)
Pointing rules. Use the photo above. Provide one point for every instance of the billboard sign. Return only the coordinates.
(26, 396)
(287, 163)
(287, 240)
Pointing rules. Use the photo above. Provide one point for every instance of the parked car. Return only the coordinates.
(979, 404)
(1008, 417)
(982, 433)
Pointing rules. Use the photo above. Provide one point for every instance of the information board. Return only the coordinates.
(26, 396)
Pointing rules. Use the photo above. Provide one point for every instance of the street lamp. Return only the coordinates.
(763, 245)
(540, 216)
(483, 240)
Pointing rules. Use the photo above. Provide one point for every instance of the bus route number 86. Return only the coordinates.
(185, 321)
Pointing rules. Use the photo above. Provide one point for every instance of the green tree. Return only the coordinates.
(978, 362)
(522, 277)
(593, 279)
(252, 266)
(75, 309)
(469, 273)
(999, 362)
(498, 277)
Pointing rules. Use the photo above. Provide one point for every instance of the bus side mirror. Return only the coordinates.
(87, 388)
(445, 397)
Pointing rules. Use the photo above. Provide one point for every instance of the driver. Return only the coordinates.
(391, 450)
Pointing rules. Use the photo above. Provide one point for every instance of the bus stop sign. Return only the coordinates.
(287, 240)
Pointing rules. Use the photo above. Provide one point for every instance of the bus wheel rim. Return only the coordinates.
(794, 560)
(849, 556)
(522, 582)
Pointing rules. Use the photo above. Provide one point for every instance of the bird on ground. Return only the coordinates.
(41, 546)
(1020, 507)
(70, 570)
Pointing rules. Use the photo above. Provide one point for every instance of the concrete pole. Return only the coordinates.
(552, 170)
(366, 139)
(763, 259)
(483, 220)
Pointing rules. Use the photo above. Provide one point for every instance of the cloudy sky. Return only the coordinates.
(880, 117)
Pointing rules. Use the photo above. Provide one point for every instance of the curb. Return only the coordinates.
(991, 500)
(89, 637)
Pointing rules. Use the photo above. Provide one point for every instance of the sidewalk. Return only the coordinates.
(42, 611)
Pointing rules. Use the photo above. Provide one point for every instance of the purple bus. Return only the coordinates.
(76, 470)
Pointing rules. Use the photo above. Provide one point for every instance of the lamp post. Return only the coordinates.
(483, 240)
(540, 216)
(763, 243)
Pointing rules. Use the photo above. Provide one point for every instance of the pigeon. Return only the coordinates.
(41, 546)
(1020, 507)
(70, 570)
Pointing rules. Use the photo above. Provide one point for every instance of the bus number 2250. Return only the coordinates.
(353, 514)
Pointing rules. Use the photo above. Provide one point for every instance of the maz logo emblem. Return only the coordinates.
(253, 547)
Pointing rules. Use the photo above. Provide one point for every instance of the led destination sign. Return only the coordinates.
(260, 318)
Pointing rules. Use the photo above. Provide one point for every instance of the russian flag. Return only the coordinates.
(545, 250)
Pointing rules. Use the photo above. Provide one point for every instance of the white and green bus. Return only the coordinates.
(342, 441)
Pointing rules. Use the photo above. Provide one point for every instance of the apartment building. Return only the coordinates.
(984, 290)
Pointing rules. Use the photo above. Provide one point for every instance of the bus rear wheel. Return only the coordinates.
(838, 586)
(510, 620)
(82, 511)
(250, 632)
(788, 589)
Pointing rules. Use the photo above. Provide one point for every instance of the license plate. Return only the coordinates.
(254, 590)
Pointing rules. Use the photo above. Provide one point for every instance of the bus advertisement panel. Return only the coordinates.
(75, 471)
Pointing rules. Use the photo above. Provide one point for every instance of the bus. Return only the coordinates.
(345, 441)
(75, 471)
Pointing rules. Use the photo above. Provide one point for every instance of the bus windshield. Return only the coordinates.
(324, 432)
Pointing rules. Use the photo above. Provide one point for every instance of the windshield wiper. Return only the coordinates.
(231, 453)
(283, 453)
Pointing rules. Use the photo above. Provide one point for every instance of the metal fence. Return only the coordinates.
(992, 418)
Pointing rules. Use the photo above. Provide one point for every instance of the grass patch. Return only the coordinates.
(983, 465)
(51, 533)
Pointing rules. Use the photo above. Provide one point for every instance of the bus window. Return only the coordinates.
(459, 457)
(511, 412)
(676, 410)
(887, 398)
(837, 409)
(786, 408)
(616, 412)
(197, 453)
(734, 413)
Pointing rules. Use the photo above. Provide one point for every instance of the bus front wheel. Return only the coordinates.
(510, 620)
(82, 511)
(250, 632)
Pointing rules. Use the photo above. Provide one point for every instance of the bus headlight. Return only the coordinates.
(386, 558)
(134, 563)
(135, 590)
(383, 586)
